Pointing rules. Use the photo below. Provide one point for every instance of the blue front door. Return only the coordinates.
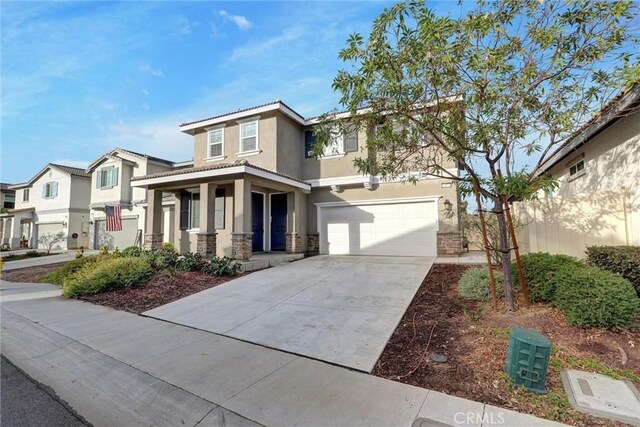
(257, 222)
(278, 222)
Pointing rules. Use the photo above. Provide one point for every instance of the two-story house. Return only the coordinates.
(253, 187)
(111, 176)
(597, 201)
(55, 200)
(7, 201)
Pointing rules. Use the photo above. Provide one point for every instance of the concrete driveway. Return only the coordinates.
(340, 309)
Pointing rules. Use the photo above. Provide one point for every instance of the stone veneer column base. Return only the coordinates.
(206, 244)
(449, 243)
(241, 246)
(313, 243)
(153, 241)
(294, 243)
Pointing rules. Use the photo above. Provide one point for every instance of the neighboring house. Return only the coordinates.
(7, 201)
(55, 200)
(598, 198)
(111, 176)
(254, 187)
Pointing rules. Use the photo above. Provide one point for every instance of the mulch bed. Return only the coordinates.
(475, 345)
(162, 289)
(29, 274)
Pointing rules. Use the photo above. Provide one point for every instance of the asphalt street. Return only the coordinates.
(25, 403)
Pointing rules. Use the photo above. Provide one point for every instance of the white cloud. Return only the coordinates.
(250, 50)
(73, 163)
(146, 68)
(240, 21)
(183, 26)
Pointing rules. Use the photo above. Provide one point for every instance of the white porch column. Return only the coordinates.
(296, 222)
(241, 237)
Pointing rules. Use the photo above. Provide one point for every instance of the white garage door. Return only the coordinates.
(52, 229)
(402, 229)
(116, 239)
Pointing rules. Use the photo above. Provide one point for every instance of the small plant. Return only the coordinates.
(80, 253)
(190, 262)
(10, 257)
(50, 240)
(224, 266)
(104, 250)
(624, 260)
(168, 246)
(539, 270)
(5, 247)
(113, 274)
(473, 315)
(32, 254)
(166, 259)
(591, 297)
(131, 252)
(475, 284)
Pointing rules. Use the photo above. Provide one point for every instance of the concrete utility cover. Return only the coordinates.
(340, 309)
(602, 396)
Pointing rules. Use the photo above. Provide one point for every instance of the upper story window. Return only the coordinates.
(216, 143)
(107, 177)
(249, 136)
(50, 190)
(576, 169)
(25, 195)
(9, 201)
(341, 143)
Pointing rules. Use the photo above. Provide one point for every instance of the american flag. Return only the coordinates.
(114, 218)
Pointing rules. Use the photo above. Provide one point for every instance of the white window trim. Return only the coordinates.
(209, 157)
(26, 194)
(578, 174)
(339, 145)
(256, 120)
(49, 184)
(107, 187)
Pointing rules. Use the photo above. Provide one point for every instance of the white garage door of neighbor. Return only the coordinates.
(116, 239)
(403, 229)
(53, 228)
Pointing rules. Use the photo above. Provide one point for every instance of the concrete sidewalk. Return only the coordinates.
(116, 368)
(43, 260)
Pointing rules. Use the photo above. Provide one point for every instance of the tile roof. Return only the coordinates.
(71, 170)
(145, 156)
(211, 167)
(5, 186)
(242, 110)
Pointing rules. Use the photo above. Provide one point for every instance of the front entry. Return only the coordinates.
(278, 221)
(257, 222)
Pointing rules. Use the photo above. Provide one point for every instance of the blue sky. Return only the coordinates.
(81, 78)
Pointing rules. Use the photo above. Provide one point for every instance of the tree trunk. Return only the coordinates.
(505, 254)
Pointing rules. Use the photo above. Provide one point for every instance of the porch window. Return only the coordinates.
(190, 210)
(216, 143)
(25, 195)
(107, 177)
(50, 190)
(249, 136)
(194, 214)
(219, 212)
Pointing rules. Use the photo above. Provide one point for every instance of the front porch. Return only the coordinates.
(234, 210)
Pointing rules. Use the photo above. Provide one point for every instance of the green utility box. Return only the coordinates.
(528, 359)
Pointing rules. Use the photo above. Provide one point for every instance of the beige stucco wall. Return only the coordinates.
(266, 158)
(290, 147)
(600, 207)
(334, 166)
(429, 187)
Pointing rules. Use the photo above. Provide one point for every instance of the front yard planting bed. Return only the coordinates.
(474, 340)
(162, 289)
(30, 274)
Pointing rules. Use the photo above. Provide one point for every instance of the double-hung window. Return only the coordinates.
(216, 143)
(107, 177)
(341, 141)
(576, 169)
(190, 210)
(249, 136)
(50, 190)
(25, 195)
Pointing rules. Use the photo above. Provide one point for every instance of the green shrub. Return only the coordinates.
(32, 254)
(131, 252)
(539, 269)
(475, 284)
(224, 266)
(168, 246)
(163, 259)
(190, 262)
(109, 275)
(624, 260)
(58, 276)
(590, 296)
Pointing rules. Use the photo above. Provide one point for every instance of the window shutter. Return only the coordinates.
(309, 142)
(351, 141)
(44, 191)
(54, 190)
(98, 179)
(184, 210)
(219, 211)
